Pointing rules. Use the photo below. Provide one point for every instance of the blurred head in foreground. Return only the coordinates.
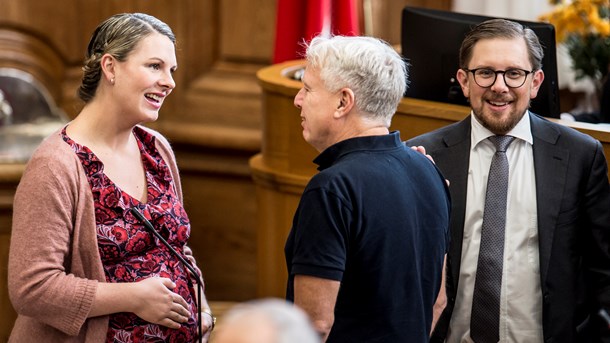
(265, 321)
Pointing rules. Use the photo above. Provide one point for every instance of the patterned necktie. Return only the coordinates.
(485, 315)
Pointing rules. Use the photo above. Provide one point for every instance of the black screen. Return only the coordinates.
(431, 40)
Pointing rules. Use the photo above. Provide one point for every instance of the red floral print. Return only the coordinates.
(128, 251)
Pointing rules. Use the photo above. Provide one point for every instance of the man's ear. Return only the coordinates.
(537, 79)
(346, 102)
(108, 64)
(462, 77)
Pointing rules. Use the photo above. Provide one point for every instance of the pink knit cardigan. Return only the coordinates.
(54, 264)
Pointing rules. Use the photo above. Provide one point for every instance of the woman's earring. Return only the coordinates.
(112, 81)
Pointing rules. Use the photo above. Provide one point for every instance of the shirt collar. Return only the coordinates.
(521, 131)
(334, 152)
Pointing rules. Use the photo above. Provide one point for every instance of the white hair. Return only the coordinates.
(289, 322)
(370, 67)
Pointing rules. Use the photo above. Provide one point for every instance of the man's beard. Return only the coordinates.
(493, 123)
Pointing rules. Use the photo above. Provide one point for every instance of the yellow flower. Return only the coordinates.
(579, 17)
(603, 27)
(584, 27)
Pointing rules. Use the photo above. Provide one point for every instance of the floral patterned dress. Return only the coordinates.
(128, 251)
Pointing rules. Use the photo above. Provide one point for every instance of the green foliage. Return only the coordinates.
(590, 55)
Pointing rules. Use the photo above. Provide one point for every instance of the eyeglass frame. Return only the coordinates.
(496, 72)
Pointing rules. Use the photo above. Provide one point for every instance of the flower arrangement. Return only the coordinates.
(584, 27)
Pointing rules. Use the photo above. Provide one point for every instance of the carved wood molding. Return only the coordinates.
(27, 52)
(210, 136)
(276, 180)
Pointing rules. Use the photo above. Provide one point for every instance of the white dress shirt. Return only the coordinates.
(521, 296)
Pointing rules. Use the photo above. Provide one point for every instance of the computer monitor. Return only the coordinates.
(430, 42)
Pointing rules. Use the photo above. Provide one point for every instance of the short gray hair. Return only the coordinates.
(370, 67)
(290, 323)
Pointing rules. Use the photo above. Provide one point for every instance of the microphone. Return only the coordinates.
(148, 225)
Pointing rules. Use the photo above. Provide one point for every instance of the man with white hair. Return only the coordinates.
(365, 252)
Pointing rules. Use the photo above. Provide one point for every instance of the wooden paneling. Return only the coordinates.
(247, 28)
(385, 16)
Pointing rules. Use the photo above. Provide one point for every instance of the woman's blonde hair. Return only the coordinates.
(117, 36)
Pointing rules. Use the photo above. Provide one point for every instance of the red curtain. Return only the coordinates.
(301, 20)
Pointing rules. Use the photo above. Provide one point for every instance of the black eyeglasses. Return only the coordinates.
(513, 78)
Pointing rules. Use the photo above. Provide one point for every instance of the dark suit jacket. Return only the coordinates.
(573, 202)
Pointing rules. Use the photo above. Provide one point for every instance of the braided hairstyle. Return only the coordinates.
(117, 36)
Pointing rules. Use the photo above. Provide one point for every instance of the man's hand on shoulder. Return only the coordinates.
(422, 150)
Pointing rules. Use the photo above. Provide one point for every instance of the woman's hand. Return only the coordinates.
(158, 304)
(150, 299)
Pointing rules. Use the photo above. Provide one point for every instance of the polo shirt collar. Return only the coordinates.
(367, 143)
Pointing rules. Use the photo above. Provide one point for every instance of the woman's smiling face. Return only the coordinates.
(145, 78)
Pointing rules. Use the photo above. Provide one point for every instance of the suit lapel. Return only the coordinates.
(455, 169)
(550, 165)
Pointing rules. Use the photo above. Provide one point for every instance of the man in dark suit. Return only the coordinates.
(554, 262)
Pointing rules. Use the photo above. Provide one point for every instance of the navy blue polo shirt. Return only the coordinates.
(375, 218)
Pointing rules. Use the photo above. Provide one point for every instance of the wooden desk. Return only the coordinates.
(284, 166)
